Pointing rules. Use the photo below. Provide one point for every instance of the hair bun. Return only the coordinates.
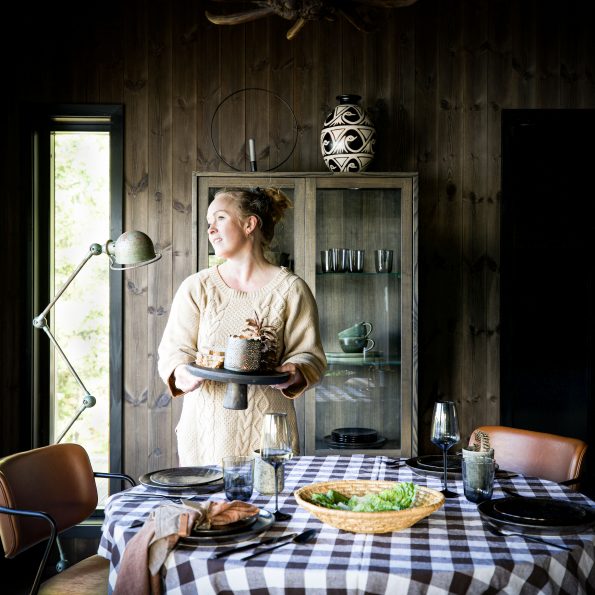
(279, 202)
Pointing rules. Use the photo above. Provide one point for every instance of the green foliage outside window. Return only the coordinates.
(80, 319)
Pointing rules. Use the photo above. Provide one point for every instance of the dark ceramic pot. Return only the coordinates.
(347, 137)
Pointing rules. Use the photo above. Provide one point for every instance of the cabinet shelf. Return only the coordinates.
(390, 446)
(358, 364)
(366, 275)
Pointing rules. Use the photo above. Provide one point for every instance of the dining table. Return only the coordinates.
(450, 551)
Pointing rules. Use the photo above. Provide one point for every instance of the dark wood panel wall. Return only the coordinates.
(435, 78)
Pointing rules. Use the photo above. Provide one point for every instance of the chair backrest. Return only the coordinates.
(536, 454)
(57, 480)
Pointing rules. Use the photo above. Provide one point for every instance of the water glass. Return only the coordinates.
(340, 255)
(478, 478)
(383, 259)
(327, 263)
(356, 261)
(238, 477)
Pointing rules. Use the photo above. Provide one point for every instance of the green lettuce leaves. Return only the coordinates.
(400, 497)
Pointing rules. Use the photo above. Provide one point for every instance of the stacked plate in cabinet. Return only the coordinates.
(354, 438)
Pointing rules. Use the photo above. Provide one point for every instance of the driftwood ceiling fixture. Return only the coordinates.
(358, 12)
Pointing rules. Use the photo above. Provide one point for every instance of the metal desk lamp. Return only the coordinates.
(132, 249)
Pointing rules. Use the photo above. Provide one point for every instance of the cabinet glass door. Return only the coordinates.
(282, 249)
(366, 402)
(359, 405)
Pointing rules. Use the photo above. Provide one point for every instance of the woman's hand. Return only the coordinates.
(185, 381)
(295, 376)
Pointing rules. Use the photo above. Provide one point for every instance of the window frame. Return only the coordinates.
(45, 120)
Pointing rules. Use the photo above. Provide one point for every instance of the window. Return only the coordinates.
(78, 202)
(80, 167)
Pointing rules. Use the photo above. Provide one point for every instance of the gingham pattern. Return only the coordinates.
(447, 552)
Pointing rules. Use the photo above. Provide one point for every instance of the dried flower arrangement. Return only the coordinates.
(257, 329)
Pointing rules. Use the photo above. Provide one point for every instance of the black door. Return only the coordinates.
(547, 253)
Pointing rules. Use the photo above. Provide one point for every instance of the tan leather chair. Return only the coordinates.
(536, 454)
(43, 492)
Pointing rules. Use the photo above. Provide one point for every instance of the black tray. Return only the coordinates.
(538, 515)
(225, 375)
(263, 522)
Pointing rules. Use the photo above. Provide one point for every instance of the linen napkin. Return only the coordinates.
(145, 553)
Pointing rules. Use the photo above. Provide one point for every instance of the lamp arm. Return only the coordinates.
(77, 414)
(66, 360)
(40, 322)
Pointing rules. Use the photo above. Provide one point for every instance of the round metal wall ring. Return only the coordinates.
(295, 126)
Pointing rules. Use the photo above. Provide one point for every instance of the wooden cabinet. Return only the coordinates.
(374, 211)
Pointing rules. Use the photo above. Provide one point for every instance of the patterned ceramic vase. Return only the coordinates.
(347, 137)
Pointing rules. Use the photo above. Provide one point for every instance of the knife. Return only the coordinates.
(303, 537)
(241, 548)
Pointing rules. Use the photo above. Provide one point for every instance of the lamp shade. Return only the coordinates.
(132, 249)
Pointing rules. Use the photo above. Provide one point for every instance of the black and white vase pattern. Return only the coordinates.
(347, 137)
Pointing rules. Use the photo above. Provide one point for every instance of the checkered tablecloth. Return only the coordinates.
(448, 552)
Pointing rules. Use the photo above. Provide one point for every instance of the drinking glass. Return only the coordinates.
(238, 477)
(445, 433)
(275, 449)
(478, 478)
(356, 261)
(327, 263)
(383, 260)
(340, 263)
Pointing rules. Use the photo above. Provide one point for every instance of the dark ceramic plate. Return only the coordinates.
(201, 488)
(377, 444)
(436, 463)
(230, 529)
(179, 477)
(429, 470)
(538, 515)
(264, 521)
(548, 511)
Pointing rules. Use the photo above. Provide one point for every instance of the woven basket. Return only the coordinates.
(426, 502)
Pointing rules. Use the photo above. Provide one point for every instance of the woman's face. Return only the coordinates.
(227, 234)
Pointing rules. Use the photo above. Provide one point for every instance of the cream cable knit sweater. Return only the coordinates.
(204, 312)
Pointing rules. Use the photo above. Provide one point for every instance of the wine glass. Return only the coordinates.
(445, 433)
(275, 449)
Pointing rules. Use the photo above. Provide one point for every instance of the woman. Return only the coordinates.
(217, 302)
